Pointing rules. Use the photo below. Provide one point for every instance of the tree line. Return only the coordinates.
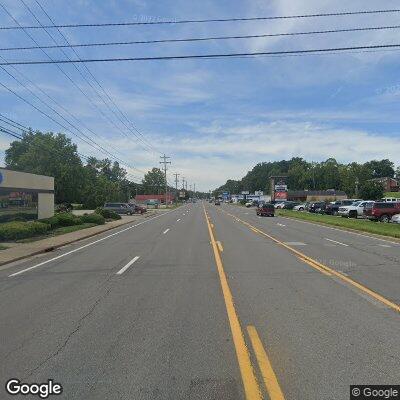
(89, 181)
(353, 178)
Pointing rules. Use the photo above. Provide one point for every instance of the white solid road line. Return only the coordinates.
(280, 224)
(334, 241)
(87, 245)
(165, 231)
(343, 230)
(123, 269)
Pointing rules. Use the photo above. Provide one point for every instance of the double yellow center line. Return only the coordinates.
(321, 267)
(251, 387)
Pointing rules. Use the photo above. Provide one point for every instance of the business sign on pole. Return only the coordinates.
(280, 195)
(182, 194)
(245, 192)
(280, 188)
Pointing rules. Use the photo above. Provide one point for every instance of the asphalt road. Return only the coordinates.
(184, 306)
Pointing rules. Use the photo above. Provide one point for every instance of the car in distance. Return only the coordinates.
(300, 207)
(137, 209)
(119, 208)
(382, 211)
(316, 206)
(289, 205)
(354, 210)
(333, 207)
(217, 203)
(395, 219)
(266, 210)
(390, 200)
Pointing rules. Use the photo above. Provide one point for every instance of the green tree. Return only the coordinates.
(53, 155)
(371, 190)
(153, 182)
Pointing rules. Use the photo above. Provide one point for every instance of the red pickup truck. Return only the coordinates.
(266, 210)
(381, 211)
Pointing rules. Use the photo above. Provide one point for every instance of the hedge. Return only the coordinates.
(20, 230)
(93, 218)
(107, 213)
(19, 216)
(62, 219)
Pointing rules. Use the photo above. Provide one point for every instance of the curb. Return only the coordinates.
(57, 246)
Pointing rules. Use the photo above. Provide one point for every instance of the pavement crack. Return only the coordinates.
(78, 326)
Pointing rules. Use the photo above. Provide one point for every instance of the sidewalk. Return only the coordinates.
(19, 251)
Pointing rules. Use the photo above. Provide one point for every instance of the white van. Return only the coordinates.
(390, 199)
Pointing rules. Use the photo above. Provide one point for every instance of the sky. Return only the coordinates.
(217, 118)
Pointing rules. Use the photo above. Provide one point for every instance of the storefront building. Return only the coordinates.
(25, 196)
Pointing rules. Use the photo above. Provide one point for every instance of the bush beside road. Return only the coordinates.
(392, 230)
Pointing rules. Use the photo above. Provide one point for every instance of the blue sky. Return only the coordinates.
(218, 118)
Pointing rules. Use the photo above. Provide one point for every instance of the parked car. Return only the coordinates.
(217, 203)
(300, 207)
(249, 204)
(395, 219)
(280, 205)
(333, 207)
(138, 209)
(390, 199)
(382, 211)
(354, 210)
(316, 206)
(289, 205)
(266, 210)
(119, 208)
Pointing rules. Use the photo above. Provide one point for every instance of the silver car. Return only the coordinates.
(395, 219)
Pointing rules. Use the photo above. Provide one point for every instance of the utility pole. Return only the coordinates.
(176, 186)
(194, 189)
(183, 182)
(165, 162)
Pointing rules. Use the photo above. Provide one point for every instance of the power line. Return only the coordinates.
(209, 56)
(16, 135)
(75, 66)
(139, 136)
(200, 39)
(91, 141)
(199, 21)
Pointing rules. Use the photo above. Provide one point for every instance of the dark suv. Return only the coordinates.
(333, 208)
(383, 212)
(316, 207)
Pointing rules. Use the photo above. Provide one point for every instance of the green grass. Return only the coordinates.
(378, 228)
(2, 247)
(58, 231)
(392, 194)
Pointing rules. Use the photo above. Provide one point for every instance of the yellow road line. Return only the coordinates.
(221, 249)
(268, 374)
(250, 384)
(318, 266)
(315, 266)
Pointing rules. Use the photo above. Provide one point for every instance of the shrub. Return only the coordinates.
(21, 230)
(93, 218)
(62, 219)
(107, 213)
(19, 216)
